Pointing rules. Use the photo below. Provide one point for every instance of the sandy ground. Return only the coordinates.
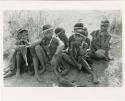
(109, 73)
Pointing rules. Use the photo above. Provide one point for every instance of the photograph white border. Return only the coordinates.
(59, 93)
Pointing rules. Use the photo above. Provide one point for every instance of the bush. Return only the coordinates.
(116, 26)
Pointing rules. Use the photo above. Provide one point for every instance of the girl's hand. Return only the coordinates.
(79, 66)
(66, 50)
(29, 46)
(20, 46)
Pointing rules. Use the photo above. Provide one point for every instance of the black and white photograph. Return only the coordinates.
(62, 48)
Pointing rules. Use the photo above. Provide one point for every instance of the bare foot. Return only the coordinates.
(38, 78)
(109, 58)
(43, 69)
(30, 73)
(18, 75)
(8, 74)
(95, 80)
(79, 66)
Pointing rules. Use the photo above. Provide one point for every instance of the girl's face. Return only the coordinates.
(48, 33)
(78, 30)
(104, 27)
(60, 34)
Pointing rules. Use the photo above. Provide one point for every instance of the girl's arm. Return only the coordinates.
(35, 43)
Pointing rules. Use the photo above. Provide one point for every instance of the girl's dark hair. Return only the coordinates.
(47, 26)
(22, 31)
(57, 30)
(78, 25)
